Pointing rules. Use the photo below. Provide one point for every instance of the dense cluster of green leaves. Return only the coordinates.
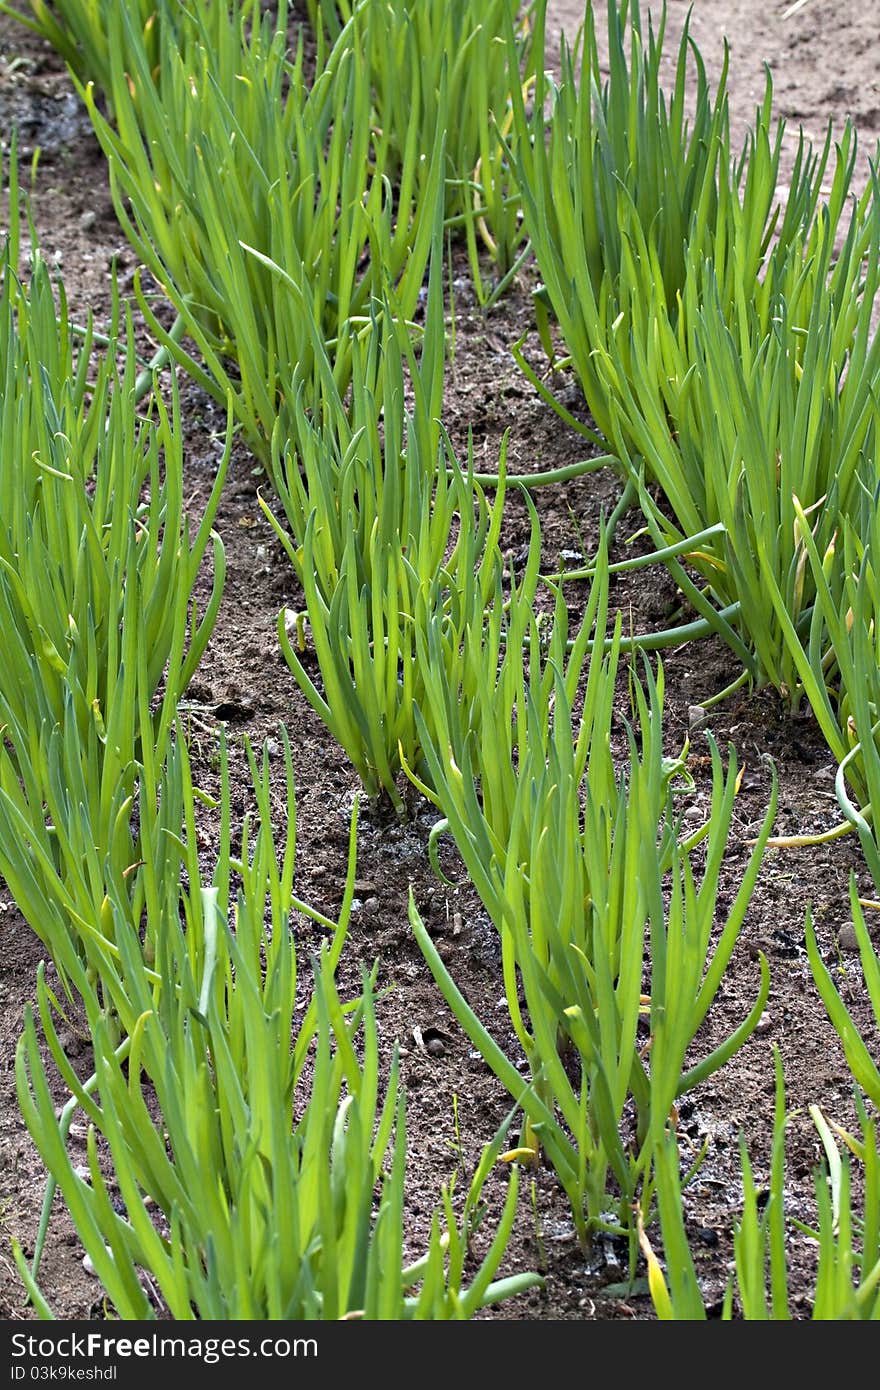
(727, 353)
(724, 343)
(98, 564)
(266, 1195)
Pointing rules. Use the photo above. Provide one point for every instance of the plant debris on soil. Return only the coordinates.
(824, 62)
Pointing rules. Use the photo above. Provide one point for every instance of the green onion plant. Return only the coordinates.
(412, 43)
(584, 149)
(725, 345)
(383, 527)
(770, 425)
(571, 858)
(225, 165)
(80, 31)
(257, 1152)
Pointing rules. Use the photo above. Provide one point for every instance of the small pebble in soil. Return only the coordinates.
(825, 773)
(785, 943)
(764, 1024)
(435, 1046)
(847, 939)
(707, 1236)
(571, 559)
(696, 716)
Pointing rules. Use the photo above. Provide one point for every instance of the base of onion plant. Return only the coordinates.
(569, 857)
(98, 565)
(257, 1133)
(225, 150)
(848, 1246)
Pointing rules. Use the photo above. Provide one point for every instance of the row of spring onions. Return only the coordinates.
(187, 980)
(290, 222)
(98, 566)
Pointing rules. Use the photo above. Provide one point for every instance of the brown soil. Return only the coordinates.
(824, 63)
